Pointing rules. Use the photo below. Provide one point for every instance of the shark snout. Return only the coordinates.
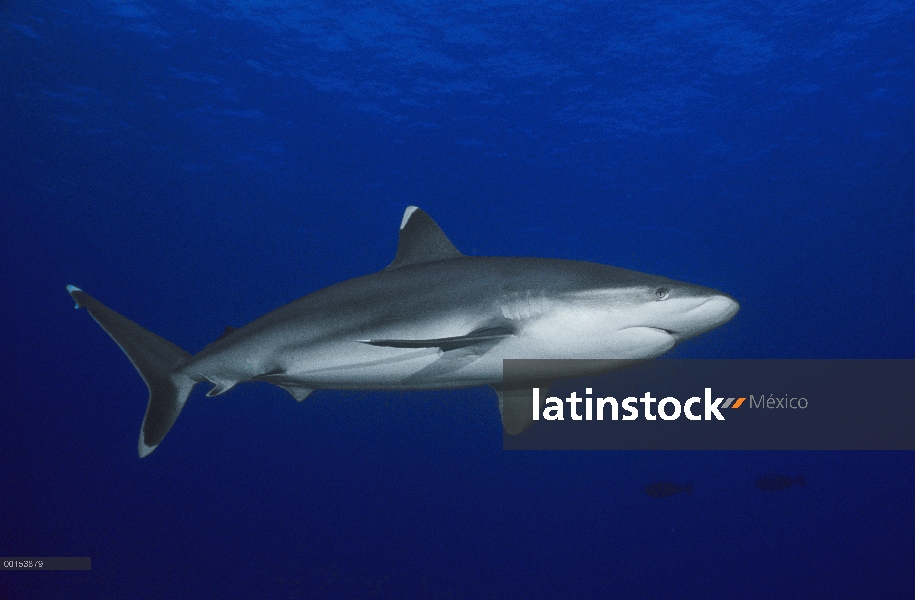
(714, 312)
(721, 305)
(692, 316)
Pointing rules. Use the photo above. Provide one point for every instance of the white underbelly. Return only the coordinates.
(354, 365)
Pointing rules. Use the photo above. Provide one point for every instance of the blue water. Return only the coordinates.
(196, 164)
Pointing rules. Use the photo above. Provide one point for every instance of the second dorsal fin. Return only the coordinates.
(229, 329)
(421, 240)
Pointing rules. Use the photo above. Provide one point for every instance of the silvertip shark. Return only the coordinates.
(432, 319)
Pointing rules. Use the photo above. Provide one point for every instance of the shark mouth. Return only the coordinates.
(667, 331)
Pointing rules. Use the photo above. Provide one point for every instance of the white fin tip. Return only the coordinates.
(406, 215)
(143, 449)
(70, 290)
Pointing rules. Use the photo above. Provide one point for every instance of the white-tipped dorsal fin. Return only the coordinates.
(421, 240)
(406, 215)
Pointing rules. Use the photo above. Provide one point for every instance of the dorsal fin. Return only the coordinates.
(421, 240)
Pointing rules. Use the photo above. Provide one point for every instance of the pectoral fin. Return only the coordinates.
(516, 406)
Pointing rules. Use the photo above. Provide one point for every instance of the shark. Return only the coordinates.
(432, 319)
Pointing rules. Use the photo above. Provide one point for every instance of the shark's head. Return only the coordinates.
(635, 315)
(682, 310)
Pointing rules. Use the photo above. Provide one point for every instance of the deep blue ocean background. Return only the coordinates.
(196, 164)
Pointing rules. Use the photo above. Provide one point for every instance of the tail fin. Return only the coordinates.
(155, 358)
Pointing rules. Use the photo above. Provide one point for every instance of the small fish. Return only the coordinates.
(777, 483)
(665, 489)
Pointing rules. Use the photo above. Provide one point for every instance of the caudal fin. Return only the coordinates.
(156, 360)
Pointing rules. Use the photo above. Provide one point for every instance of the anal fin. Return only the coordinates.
(220, 386)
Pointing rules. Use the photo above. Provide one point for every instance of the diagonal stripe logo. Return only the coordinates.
(736, 404)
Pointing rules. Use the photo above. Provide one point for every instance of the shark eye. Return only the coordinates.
(662, 293)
